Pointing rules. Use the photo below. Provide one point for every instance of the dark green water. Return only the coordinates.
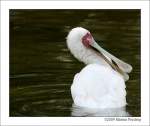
(42, 68)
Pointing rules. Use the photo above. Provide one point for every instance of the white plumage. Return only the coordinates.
(81, 52)
(101, 84)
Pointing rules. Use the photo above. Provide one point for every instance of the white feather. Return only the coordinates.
(97, 85)
(79, 51)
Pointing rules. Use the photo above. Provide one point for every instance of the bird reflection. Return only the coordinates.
(93, 112)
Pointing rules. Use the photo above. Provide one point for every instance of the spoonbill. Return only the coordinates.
(101, 83)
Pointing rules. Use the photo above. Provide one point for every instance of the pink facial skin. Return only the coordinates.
(87, 40)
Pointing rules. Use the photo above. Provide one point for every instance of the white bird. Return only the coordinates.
(101, 84)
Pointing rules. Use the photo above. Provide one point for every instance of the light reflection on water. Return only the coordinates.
(111, 112)
(42, 68)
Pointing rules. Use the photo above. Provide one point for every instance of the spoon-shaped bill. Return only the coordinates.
(117, 64)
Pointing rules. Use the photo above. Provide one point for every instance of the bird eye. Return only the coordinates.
(86, 39)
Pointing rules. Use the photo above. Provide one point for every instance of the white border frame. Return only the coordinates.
(6, 5)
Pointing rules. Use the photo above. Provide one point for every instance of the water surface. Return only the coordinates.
(42, 68)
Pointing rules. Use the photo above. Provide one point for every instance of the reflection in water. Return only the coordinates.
(114, 112)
